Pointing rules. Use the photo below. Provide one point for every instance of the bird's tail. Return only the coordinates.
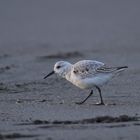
(122, 68)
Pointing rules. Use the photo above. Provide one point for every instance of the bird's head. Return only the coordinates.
(60, 68)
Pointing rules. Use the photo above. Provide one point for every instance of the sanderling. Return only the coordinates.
(86, 74)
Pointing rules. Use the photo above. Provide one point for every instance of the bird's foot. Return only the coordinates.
(79, 103)
(100, 103)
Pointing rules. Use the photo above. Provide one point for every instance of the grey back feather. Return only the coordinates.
(86, 68)
(89, 68)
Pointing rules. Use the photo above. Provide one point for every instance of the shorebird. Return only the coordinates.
(86, 74)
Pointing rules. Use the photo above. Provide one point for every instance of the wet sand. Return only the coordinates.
(36, 34)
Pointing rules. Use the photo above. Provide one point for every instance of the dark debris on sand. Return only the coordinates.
(109, 119)
(102, 119)
(5, 68)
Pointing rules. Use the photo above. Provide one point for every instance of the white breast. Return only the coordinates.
(87, 83)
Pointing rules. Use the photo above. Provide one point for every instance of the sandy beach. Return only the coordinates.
(36, 34)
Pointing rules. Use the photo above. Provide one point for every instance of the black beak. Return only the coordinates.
(49, 74)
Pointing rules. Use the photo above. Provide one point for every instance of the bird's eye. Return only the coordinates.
(58, 67)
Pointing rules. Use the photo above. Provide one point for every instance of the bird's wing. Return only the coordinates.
(106, 69)
(90, 68)
(87, 68)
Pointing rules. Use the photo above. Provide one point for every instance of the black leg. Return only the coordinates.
(101, 99)
(85, 99)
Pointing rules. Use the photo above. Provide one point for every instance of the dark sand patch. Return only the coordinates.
(117, 126)
(101, 119)
(29, 86)
(4, 88)
(15, 136)
(4, 56)
(137, 124)
(8, 89)
(35, 83)
(6, 68)
(61, 55)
